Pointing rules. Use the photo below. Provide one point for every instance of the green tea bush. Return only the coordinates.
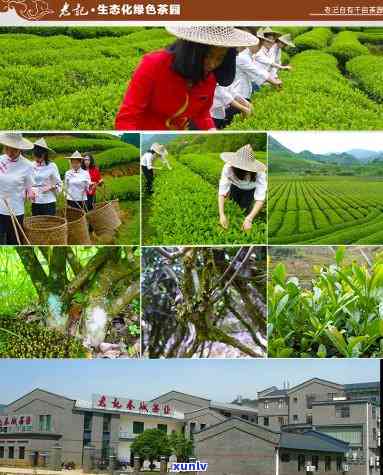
(68, 144)
(371, 35)
(317, 38)
(125, 188)
(316, 85)
(184, 210)
(74, 32)
(367, 71)
(340, 315)
(346, 46)
(118, 156)
(208, 166)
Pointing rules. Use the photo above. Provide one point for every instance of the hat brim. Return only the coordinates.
(45, 148)
(239, 38)
(265, 39)
(287, 43)
(74, 158)
(232, 159)
(22, 145)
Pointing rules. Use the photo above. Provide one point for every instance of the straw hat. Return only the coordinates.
(244, 159)
(43, 144)
(160, 149)
(266, 31)
(214, 35)
(75, 156)
(286, 39)
(15, 140)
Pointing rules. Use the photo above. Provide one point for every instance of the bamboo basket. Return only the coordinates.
(103, 218)
(116, 206)
(78, 230)
(46, 230)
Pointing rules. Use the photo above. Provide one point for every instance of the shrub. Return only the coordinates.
(367, 71)
(125, 188)
(315, 96)
(184, 210)
(346, 46)
(118, 155)
(317, 38)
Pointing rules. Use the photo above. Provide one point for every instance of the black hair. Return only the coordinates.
(41, 152)
(189, 61)
(153, 152)
(92, 163)
(241, 174)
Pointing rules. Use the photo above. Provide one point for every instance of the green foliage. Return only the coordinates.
(181, 446)
(317, 38)
(339, 316)
(367, 71)
(122, 188)
(313, 86)
(151, 445)
(185, 211)
(293, 30)
(74, 32)
(346, 46)
(21, 339)
(118, 156)
(371, 35)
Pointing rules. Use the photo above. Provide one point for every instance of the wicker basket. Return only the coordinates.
(78, 230)
(103, 218)
(116, 206)
(46, 230)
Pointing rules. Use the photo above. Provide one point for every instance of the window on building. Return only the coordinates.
(339, 464)
(1, 452)
(202, 426)
(342, 411)
(373, 412)
(138, 427)
(309, 419)
(192, 427)
(301, 463)
(327, 464)
(106, 422)
(45, 423)
(285, 457)
(11, 452)
(374, 433)
(295, 417)
(265, 421)
(227, 414)
(88, 416)
(295, 400)
(281, 421)
(266, 404)
(315, 462)
(162, 428)
(21, 453)
(330, 396)
(245, 417)
(310, 398)
(281, 403)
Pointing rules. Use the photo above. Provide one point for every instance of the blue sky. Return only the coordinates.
(221, 380)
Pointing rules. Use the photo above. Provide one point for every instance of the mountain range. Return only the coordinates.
(282, 159)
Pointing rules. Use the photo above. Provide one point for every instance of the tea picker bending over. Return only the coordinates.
(173, 89)
(16, 180)
(243, 179)
(46, 178)
(77, 182)
(155, 152)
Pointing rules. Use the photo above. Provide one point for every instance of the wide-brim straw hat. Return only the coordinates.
(286, 39)
(75, 156)
(158, 148)
(244, 159)
(15, 140)
(214, 35)
(261, 35)
(267, 31)
(43, 144)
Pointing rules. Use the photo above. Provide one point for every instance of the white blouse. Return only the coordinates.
(223, 97)
(77, 183)
(228, 178)
(247, 72)
(147, 160)
(16, 179)
(264, 59)
(45, 177)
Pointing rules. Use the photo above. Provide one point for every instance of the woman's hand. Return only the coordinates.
(247, 223)
(223, 221)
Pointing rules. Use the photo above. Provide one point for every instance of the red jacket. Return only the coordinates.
(158, 98)
(95, 176)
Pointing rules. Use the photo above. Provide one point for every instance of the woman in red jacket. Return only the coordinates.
(88, 163)
(173, 89)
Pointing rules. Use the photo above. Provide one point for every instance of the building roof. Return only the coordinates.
(232, 407)
(312, 440)
(276, 393)
(342, 402)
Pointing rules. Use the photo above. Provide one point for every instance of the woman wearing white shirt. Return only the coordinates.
(226, 100)
(281, 43)
(47, 180)
(243, 180)
(16, 182)
(77, 182)
(155, 152)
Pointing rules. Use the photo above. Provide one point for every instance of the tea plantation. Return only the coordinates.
(75, 78)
